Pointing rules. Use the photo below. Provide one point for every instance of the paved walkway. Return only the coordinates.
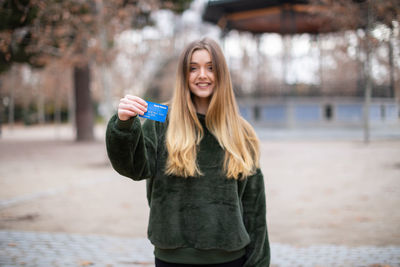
(66, 132)
(328, 133)
(345, 216)
(59, 249)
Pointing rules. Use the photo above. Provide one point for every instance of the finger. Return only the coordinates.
(135, 105)
(134, 101)
(137, 99)
(126, 113)
(131, 107)
(142, 108)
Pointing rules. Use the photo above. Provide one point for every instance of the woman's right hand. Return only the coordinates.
(130, 106)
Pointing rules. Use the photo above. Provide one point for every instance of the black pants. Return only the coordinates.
(235, 263)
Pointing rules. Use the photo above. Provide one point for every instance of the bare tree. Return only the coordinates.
(77, 32)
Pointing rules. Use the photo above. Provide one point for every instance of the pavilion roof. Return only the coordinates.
(274, 16)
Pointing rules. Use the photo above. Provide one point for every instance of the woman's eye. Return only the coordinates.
(210, 68)
(192, 68)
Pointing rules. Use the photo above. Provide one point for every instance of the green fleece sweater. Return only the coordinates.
(196, 220)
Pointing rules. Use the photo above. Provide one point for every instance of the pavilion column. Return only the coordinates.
(286, 59)
(391, 65)
(287, 28)
(368, 86)
(225, 46)
(259, 65)
(360, 66)
(320, 63)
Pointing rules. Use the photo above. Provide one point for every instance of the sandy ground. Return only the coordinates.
(318, 192)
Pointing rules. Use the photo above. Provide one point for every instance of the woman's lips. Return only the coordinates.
(203, 85)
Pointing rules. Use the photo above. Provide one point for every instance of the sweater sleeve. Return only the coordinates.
(254, 213)
(131, 149)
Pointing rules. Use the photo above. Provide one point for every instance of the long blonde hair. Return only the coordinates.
(185, 131)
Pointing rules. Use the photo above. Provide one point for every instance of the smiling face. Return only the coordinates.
(201, 76)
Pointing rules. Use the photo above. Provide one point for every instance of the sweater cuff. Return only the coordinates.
(125, 125)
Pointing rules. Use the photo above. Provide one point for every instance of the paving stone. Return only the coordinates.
(58, 249)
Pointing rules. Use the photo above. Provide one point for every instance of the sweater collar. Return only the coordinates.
(202, 118)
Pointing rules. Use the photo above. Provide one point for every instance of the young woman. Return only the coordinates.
(204, 185)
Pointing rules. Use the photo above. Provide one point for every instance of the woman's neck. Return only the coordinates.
(201, 105)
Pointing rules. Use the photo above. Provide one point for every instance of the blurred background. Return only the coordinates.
(318, 79)
(293, 63)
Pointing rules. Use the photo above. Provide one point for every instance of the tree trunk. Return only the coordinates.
(83, 104)
(106, 78)
(1, 107)
(71, 106)
(11, 115)
(106, 81)
(41, 105)
(57, 111)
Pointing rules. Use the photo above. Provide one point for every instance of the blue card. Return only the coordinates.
(156, 112)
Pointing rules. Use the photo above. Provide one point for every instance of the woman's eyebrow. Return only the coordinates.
(192, 62)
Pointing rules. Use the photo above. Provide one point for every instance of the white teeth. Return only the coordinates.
(203, 84)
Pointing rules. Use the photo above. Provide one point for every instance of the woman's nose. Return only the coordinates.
(202, 72)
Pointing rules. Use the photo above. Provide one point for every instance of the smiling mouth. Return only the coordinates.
(203, 85)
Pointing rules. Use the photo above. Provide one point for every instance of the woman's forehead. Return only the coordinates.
(200, 56)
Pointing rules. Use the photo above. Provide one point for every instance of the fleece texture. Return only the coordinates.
(206, 213)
